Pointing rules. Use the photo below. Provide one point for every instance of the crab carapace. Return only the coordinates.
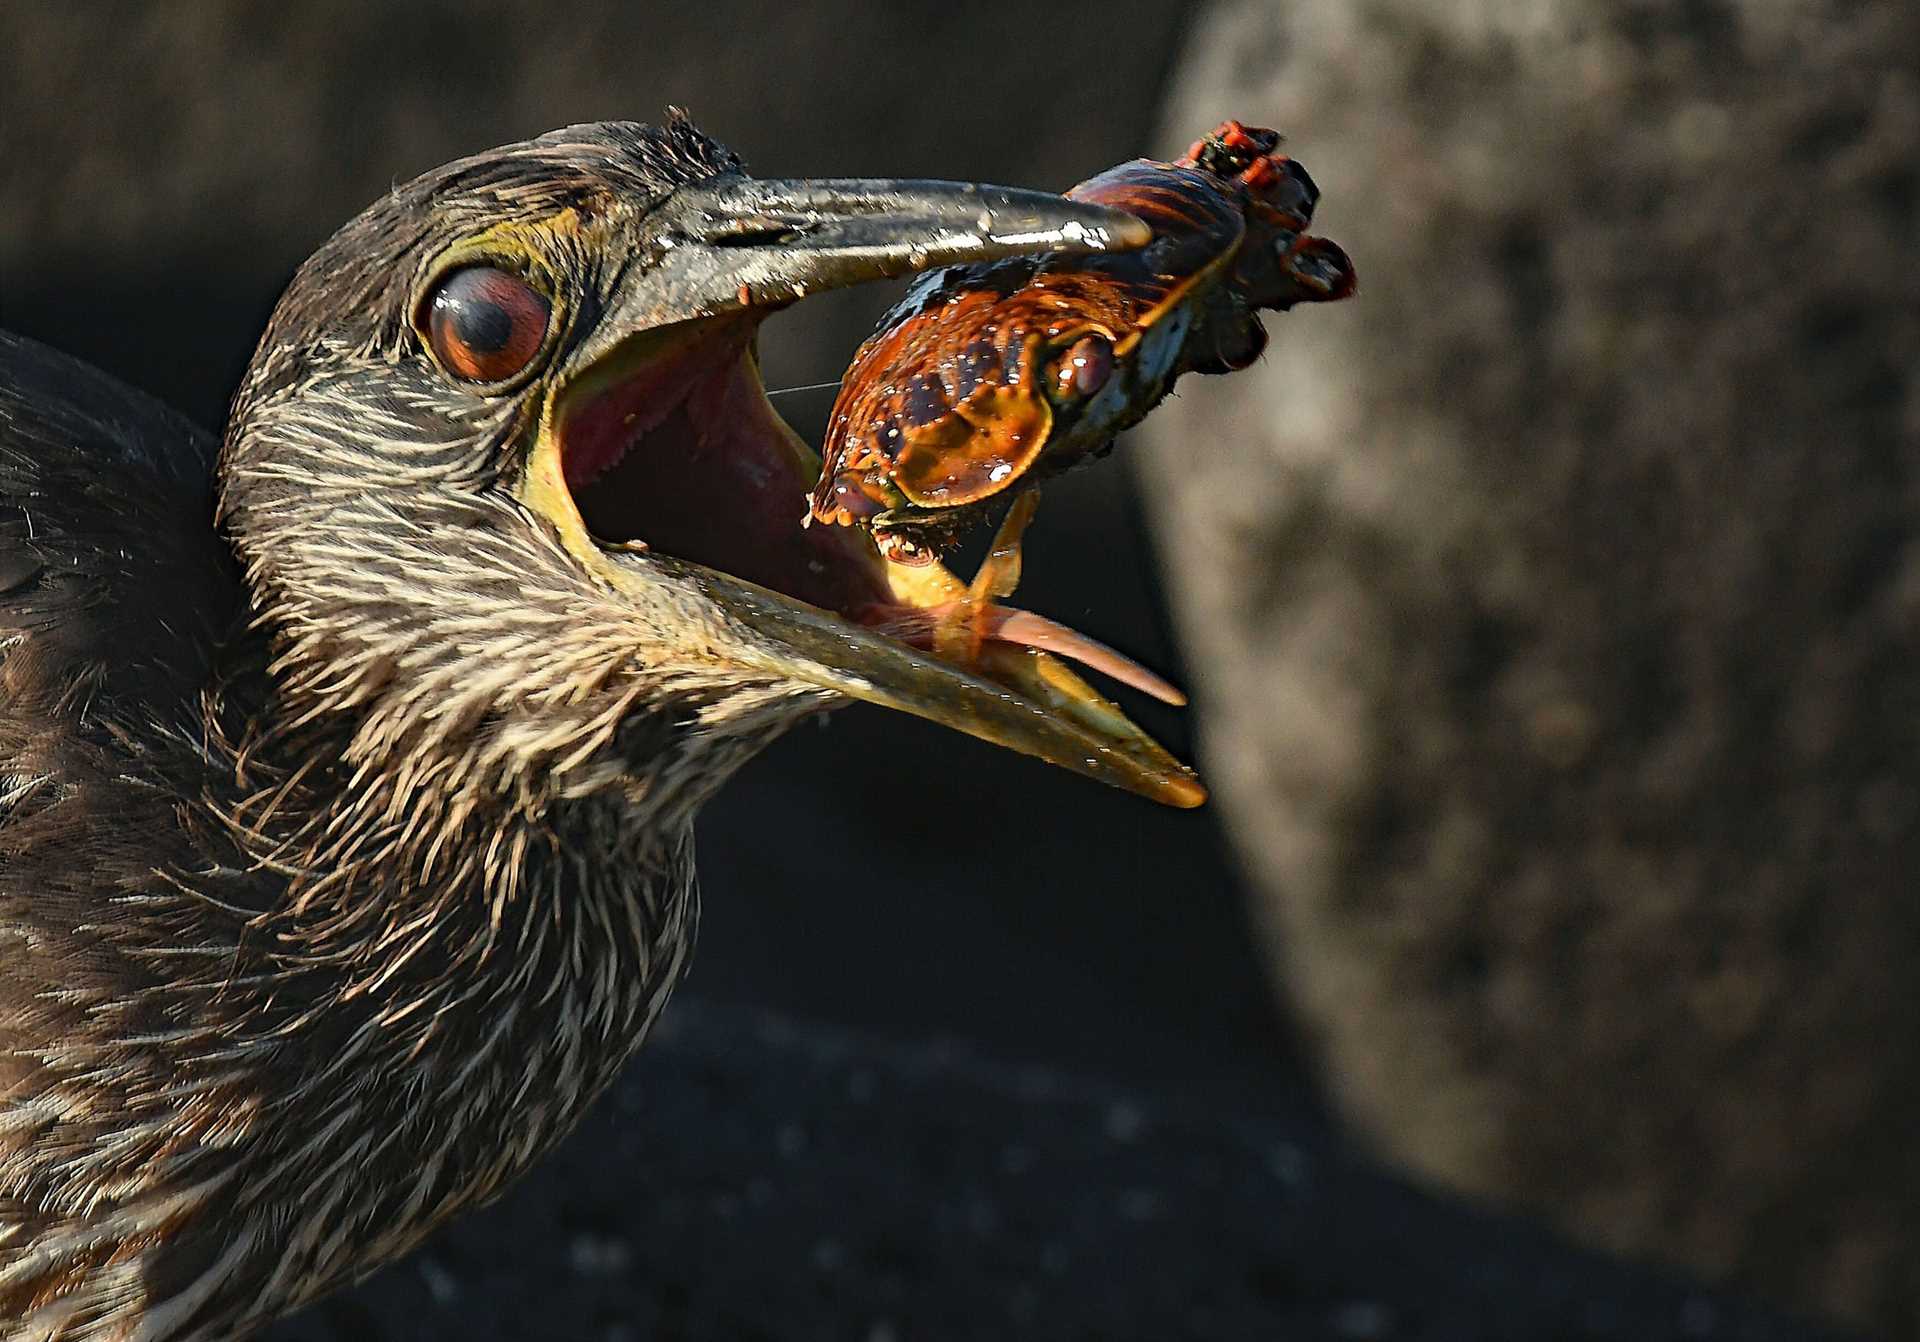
(987, 379)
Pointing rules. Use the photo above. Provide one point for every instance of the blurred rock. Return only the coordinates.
(1554, 609)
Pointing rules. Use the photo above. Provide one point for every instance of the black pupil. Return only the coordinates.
(479, 323)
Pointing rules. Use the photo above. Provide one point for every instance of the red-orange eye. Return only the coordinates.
(486, 324)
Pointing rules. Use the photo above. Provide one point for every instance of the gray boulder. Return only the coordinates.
(1553, 610)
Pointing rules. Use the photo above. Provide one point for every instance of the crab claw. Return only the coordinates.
(961, 628)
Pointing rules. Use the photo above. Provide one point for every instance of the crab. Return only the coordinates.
(987, 379)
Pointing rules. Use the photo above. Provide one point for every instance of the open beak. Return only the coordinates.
(664, 466)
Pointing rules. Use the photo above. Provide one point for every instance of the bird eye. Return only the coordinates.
(486, 324)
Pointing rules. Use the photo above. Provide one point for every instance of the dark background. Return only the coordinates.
(970, 1047)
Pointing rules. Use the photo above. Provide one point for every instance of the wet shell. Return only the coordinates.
(989, 377)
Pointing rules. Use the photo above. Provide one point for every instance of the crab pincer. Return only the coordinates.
(959, 625)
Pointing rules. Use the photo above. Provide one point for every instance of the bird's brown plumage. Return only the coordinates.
(347, 781)
(295, 963)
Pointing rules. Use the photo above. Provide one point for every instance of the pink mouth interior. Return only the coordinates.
(687, 457)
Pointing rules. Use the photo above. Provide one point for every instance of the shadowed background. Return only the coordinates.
(1548, 610)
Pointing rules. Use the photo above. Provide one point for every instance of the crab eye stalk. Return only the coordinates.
(486, 324)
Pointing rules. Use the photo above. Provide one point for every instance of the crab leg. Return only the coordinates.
(959, 628)
(1004, 624)
(963, 625)
(999, 572)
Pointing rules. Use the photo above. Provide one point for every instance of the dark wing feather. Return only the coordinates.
(115, 591)
(112, 580)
